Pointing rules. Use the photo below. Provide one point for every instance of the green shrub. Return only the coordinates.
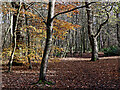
(111, 51)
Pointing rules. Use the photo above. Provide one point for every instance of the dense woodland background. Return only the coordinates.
(25, 30)
(70, 34)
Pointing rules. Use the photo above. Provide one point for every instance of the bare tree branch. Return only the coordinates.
(70, 10)
(30, 6)
(38, 13)
(58, 13)
(109, 9)
(101, 25)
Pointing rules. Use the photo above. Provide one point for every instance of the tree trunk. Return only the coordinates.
(93, 40)
(93, 37)
(14, 42)
(44, 63)
(118, 30)
(94, 49)
(28, 41)
(84, 41)
(14, 27)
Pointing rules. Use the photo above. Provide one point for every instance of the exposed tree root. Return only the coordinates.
(94, 59)
(43, 83)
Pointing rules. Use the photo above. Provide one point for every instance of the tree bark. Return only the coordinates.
(93, 37)
(14, 27)
(94, 49)
(118, 30)
(44, 63)
(93, 40)
(28, 40)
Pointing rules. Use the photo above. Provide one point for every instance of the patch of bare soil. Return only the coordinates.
(72, 74)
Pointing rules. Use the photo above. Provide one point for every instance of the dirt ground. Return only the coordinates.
(71, 73)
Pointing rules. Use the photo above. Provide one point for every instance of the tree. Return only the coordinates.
(92, 36)
(118, 24)
(49, 27)
(14, 27)
(17, 36)
(28, 40)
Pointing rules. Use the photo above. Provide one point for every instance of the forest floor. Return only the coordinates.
(73, 73)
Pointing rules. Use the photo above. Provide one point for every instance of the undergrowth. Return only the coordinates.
(111, 51)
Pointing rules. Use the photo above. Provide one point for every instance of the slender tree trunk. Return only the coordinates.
(44, 63)
(108, 42)
(118, 29)
(13, 42)
(6, 34)
(14, 27)
(28, 41)
(76, 38)
(84, 41)
(81, 45)
(101, 41)
(11, 30)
